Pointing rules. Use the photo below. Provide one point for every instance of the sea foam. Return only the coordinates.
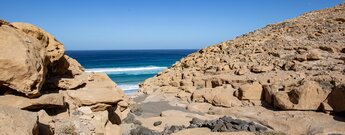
(127, 87)
(128, 70)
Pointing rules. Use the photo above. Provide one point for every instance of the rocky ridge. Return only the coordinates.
(43, 91)
(293, 65)
(296, 66)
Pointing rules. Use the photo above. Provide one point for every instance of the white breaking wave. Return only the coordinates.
(130, 71)
(126, 87)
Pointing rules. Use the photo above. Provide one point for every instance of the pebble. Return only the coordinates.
(157, 123)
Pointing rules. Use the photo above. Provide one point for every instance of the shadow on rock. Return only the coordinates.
(44, 129)
(113, 117)
(339, 116)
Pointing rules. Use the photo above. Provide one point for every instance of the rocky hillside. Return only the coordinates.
(43, 91)
(289, 77)
(294, 65)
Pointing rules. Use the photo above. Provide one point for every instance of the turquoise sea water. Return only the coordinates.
(128, 67)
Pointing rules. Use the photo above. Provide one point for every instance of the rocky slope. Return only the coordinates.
(43, 91)
(296, 66)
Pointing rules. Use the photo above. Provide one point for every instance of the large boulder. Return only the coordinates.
(14, 121)
(45, 101)
(94, 96)
(35, 75)
(54, 49)
(66, 67)
(22, 60)
(99, 89)
(220, 96)
(58, 63)
(250, 91)
(65, 83)
(308, 96)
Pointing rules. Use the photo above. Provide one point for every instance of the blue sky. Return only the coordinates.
(152, 24)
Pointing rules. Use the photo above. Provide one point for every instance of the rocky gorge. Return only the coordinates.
(286, 78)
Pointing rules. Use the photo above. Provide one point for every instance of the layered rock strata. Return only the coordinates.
(38, 80)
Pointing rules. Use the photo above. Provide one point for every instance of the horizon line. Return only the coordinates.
(127, 49)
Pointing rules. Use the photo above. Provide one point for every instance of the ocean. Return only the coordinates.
(128, 68)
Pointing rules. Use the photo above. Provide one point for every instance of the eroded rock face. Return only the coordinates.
(42, 102)
(18, 122)
(54, 49)
(65, 67)
(250, 91)
(35, 75)
(308, 96)
(100, 90)
(22, 60)
(219, 96)
(294, 65)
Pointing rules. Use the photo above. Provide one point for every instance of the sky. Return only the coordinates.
(152, 24)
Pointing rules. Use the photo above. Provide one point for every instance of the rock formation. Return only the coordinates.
(43, 91)
(17, 122)
(296, 65)
(23, 66)
(285, 78)
(293, 65)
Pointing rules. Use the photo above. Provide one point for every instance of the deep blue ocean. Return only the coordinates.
(128, 67)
